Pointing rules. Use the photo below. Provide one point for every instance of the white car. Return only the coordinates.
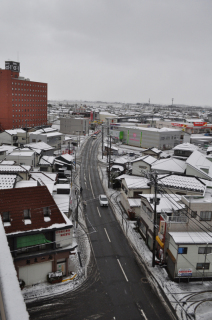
(103, 200)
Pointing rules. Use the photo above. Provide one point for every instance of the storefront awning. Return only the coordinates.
(161, 244)
(32, 240)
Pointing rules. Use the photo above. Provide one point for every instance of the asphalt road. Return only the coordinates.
(116, 287)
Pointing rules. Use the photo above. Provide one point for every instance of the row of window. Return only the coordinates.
(169, 137)
(28, 90)
(25, 110)
(30, 85)
(26, 214)
(28, 95)
(29, 100)
(201, 250)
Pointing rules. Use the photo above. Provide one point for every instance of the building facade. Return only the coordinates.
(23, 103)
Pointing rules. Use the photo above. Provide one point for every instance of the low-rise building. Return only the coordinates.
(40, 236)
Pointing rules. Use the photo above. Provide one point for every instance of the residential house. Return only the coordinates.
(184, 150)
(23, 171)
(154, 152)
(46, 163)
(40, 236)
(132, 187)
(168, 203)
(189, 255)
(170, 165)
(142, 164)
(198, 165)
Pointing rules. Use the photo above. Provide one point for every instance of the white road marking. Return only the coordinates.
(91, 184)
(122, 270)
(107, 235)
(143, 314)
(98, 211)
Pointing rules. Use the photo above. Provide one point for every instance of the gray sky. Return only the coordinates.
(112, 50)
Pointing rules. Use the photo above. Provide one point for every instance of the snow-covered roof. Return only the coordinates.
(170, 164)
(168, 202)
(120, 168)
(155, 150)
(182, 182)
(62, 201)
(5, 168)
(199, 161)
(15, 131)
(186, 146)
(7, 148)
(192, 237)
(146, 159)
(67, 157)
(8, 162)
(21, 153)
(47, 160)
(26, 183)
(134, 182)
(39, 145)
(134, 202)
(45, 177)
(7, 181)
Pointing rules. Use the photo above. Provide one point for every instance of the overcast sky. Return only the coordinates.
(112, 50)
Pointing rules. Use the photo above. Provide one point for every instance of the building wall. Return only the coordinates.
(74, 125)
(24, 160)
(190, 260)
(149, 137)
(190, 171)
(6, 138)
(21, 100)
(138, 166)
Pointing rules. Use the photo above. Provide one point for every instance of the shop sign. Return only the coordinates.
(185, 272)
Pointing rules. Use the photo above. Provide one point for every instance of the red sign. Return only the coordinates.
(199, 124)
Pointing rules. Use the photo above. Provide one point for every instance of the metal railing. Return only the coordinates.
(174, 219)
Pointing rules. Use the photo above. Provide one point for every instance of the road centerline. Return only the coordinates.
(122, 270)
(107, 235)
(98, 212)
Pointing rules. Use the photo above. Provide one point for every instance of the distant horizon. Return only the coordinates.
(130, 103)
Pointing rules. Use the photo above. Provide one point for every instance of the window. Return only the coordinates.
(182, 250)
(201, 266)
(205, 215)
(205, 250)
(193, 214)
(27, 214)
(6, 216)
(46, 211)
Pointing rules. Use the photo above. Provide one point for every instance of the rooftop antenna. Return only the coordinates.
(172, 100)
(17, 56)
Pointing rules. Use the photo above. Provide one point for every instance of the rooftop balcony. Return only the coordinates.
(174, 219)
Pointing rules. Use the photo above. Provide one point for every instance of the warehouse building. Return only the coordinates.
(164, 138)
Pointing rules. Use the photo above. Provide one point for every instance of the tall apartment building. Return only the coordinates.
(22, 102)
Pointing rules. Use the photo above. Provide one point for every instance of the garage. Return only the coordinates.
(35, 273)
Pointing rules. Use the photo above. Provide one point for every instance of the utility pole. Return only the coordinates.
(77, 209)
(102, 140)
(109, 165)
(155, 221)
(26, 131)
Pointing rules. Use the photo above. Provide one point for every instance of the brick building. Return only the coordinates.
(39, 235)
(22, 102)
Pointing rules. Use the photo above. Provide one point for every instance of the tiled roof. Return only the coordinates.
(5, 168)
(35, 199)
(7, 181)
(182, 182)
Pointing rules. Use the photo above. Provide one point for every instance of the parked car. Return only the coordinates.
(103, 200)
